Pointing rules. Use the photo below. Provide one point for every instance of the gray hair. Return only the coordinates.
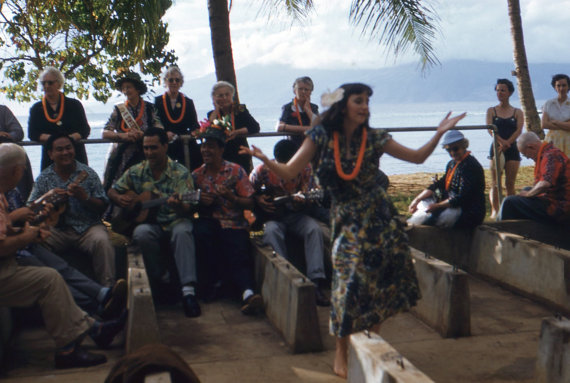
(11, 155)
(306, 80)
(170, 71)
(223, 84)
(54, 72)
(526, 139)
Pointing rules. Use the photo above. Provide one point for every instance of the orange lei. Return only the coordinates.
(356, 170)
(60, 114)
(298, 112)
(138, 120)
(449, 177)
(538, 158)
(233, 118)
(172, 121)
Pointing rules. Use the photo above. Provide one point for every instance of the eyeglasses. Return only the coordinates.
(304, 89)
(453, 148)
(173, 79)
(47, 82)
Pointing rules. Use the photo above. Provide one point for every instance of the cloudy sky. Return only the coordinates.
(470, 29)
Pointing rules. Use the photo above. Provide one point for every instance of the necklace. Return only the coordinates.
(57, 119)
(168, 116)
(233, 118)
(298, 112)
(449, 176)
(138, 119)
(356, 170)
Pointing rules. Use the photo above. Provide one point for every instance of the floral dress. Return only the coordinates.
(373, 274)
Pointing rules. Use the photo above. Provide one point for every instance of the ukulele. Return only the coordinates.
(280, 202)
(58, 201)
(144, 208)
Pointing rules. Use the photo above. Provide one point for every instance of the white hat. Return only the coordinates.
(451, 137)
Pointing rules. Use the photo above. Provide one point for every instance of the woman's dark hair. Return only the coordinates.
(506, 82)
(558, 77)
(333, 118)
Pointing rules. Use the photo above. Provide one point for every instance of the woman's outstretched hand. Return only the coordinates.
(448, 123)
(254, 151)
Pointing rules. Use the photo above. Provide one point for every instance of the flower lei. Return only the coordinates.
(356, 170)
(449, 176)
(226, 123)
(56, 120)
(298, 113)
(138, 120)
(168, 116)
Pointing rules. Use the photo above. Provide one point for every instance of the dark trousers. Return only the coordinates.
(518, 207)
(223, 255)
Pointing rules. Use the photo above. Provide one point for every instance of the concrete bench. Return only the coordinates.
(372, 360)
(142, 325)
(537, 270)
(289, 299)
(553, 360)
(445, 304)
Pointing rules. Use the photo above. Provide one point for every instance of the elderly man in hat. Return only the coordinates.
(221, 231)
(548, 201)
(160, 176)
(458, 198)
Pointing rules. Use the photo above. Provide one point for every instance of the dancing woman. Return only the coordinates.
(373, 275)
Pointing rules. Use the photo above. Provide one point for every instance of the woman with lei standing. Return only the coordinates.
(126, 126)
(178, 116)
(57, 113)
(240, 123)
(556, 114)
(299, 113)
(509, 122)
(373, 275)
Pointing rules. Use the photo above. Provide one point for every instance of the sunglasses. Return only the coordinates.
(453, 148)
(47, 82)
(176, 80)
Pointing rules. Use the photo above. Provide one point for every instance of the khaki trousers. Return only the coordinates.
(26, 286)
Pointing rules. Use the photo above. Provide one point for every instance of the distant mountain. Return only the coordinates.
(458, 80)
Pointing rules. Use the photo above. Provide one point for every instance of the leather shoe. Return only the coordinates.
(79, 357)
(103, 333)
(252, 305)
(321, 298)
(191, 306)
(116, 301)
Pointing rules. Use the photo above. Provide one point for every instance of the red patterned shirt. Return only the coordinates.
(554, 167)
(234, 178)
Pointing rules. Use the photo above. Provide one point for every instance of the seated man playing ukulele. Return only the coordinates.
(290, 218)
(79, 226)
(161, 176)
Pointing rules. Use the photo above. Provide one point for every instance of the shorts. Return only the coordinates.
(512, 153)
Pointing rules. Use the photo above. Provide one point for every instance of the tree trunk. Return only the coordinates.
(532, 121)
(222, 41)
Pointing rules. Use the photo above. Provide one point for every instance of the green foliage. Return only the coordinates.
(90, 41)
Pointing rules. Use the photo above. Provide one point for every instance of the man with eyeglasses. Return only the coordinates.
(458, 198)
(548, 201)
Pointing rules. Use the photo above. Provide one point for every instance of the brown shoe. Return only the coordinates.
(252, 305)
(116, 302)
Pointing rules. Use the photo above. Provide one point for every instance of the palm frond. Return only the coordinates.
(296, 10)
(400, 24)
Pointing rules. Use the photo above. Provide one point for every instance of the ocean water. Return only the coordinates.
(382, 116)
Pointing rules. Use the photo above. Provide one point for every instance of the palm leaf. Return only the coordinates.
(297, 10)
(400, 24)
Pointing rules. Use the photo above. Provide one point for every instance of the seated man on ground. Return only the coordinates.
(26, 286)
(222, 237)
(106, 302)
(290, 217)
(158, 175)
(79, 227)
(548, 201)
(458, 199)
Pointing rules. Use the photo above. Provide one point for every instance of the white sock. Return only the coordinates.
(188, 290)
(246, 294)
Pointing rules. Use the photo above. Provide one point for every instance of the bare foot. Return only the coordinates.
(341, 358)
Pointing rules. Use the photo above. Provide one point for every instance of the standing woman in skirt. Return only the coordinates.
(373, 275)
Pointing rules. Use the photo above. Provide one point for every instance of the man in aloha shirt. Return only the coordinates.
(548, 200)
(164, 178)
(222, 237)
(293, 220)
(80, 226)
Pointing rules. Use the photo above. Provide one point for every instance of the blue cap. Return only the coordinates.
(451, 137)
